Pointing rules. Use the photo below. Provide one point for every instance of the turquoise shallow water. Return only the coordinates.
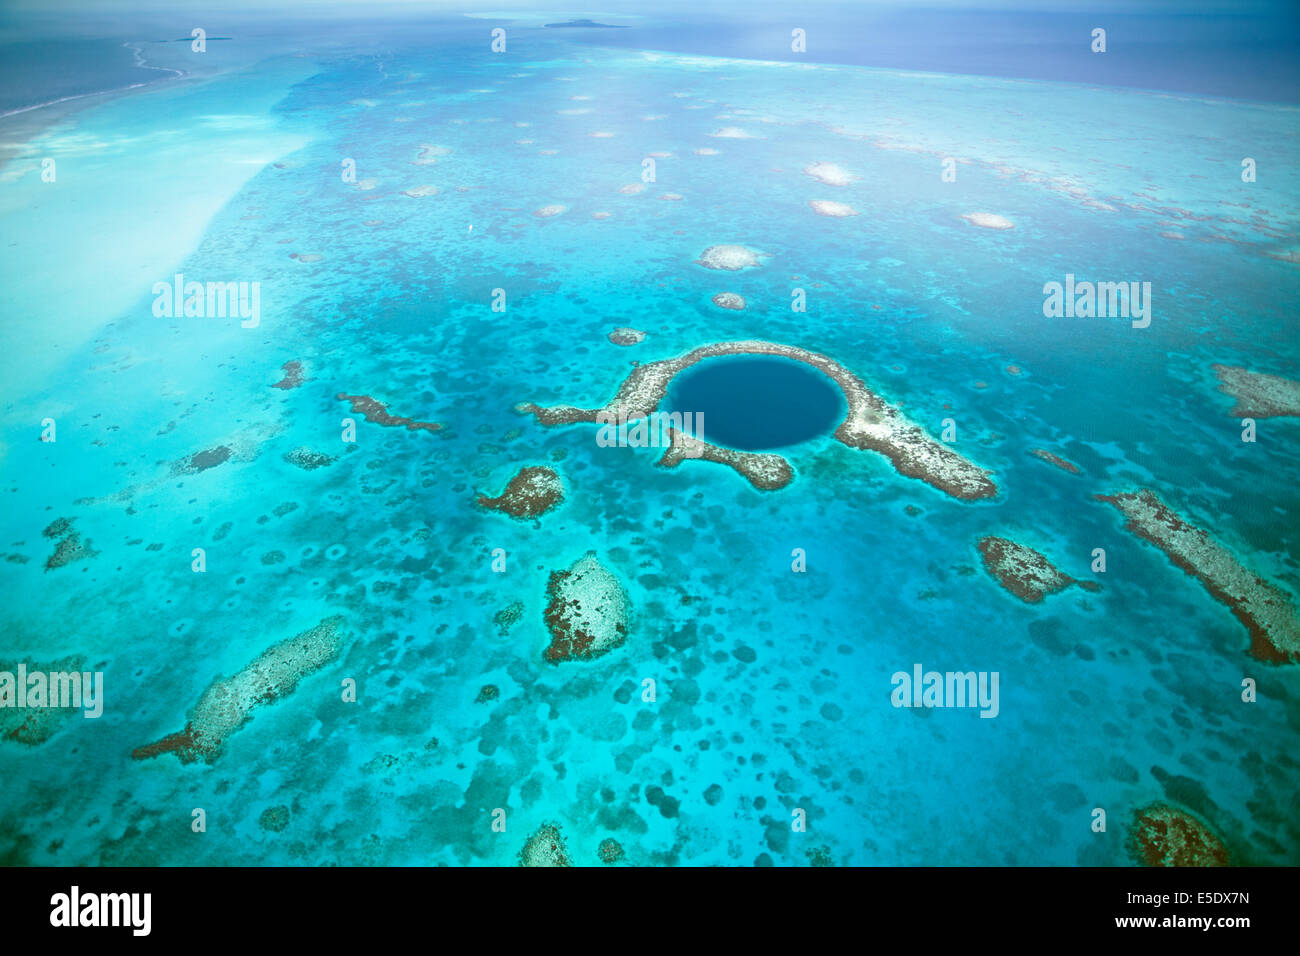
(773, 685)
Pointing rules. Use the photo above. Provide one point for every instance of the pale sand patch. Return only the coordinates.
(600, 215)
(547, 152)
(827, 207)
(661, 155)
(366, 184)
(574, 112)
(601, 135)
(657, 116)
(829, 174)
(729, 257)
(306, 256)
(732, 132)
(631, 189)
(420, 191)
(525, 142)
(988, 220)
(89, 220)
(428, 154)
(366, 103)
(707, 151)
(671, 197)
(552, 210)
(1172, 235)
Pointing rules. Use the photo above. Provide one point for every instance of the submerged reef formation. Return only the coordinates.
(274, 819)
(69, 545)
(1161, 835)
(1025, 572)
(243, 445)
(610, 851)
(587, 612)
(871, 424)
(765, 471)
(202, 461)
(626, 336)
(508, 617)
(58, 528)
(36, 723)
(1259, 395)
(429, 154)
(1056, 460)
(228, 703)
(293, 375)
(1266, 610)
(820, 856)
(532, 492)
(729, 300)
(377, 412)
(545, 848)
(308, 460)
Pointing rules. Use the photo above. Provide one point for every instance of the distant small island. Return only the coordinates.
(588, 23)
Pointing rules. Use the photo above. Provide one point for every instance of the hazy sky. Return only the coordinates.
(1249, 49)
(650, 7)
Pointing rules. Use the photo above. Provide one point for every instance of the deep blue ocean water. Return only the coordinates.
(773, 684)
(757, 403)
(1245, 54)
(36, 72)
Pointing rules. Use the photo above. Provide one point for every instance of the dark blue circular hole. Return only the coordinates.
(755, 403)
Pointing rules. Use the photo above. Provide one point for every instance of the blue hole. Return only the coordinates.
(757, 402)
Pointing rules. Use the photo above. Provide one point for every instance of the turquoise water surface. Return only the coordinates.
(773, 685)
